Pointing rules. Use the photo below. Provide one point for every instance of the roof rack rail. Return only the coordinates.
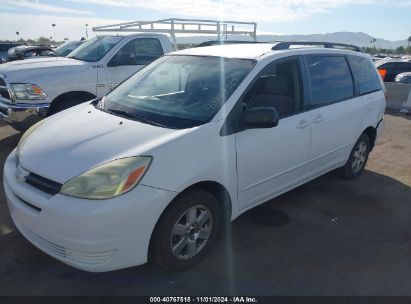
(222, 42)
(283, 45)
(175, 26)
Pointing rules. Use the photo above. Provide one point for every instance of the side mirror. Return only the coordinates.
(264, 117)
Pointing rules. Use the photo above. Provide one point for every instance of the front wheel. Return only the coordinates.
(358, 158)
(187, 230)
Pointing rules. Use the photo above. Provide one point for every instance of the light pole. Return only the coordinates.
(86, 31)
(18, 36)
(54, 30)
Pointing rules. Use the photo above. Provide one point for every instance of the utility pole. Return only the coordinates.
(54, 30)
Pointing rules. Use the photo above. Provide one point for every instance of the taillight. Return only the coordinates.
(383, 73)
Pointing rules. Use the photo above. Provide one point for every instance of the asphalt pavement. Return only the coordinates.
(328, 237)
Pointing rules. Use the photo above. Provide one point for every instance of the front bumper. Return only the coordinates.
(22, 115)
(92, 235)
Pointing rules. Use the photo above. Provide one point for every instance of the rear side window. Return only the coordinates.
(330, 78)
(388, 66)
(364, 71)
(405, 67)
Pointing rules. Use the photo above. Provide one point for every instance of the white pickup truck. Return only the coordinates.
(35, 88)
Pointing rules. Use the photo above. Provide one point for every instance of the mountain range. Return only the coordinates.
(359, 39)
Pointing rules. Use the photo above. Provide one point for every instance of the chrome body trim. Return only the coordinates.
(22, 115)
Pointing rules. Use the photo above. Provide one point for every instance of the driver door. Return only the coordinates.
(271, 161)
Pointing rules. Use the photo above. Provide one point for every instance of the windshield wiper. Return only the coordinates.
(136, 117)
(120, 113)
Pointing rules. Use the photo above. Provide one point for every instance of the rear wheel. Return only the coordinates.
(358, 158)
(187, 230)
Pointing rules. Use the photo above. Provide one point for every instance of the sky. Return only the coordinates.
(379, 18)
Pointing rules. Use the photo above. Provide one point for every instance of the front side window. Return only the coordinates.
(140, 51)
(279, 87)
(367, 77)
(330, 78)
(95, 49)
(178, 91)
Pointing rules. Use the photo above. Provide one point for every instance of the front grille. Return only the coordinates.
(4, 92)
(43, 184)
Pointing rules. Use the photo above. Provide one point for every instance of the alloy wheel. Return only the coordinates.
(191, 232)
(359, 156)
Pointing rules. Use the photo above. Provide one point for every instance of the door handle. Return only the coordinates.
(318, 118)
(303, 124)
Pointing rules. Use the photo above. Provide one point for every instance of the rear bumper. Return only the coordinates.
(22, 115)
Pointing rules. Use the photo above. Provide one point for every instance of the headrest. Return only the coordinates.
(197, 81)
(193, 83)
(276, 85)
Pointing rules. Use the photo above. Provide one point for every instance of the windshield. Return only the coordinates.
(67, 48)
(94, 49)
(178, 91)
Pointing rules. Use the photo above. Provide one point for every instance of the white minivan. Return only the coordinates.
(152, 171)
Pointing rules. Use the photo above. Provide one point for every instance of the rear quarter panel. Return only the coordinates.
(375, 104)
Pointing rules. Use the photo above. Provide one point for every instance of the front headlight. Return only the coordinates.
(28, 133)
(108, 180)
(27, 91)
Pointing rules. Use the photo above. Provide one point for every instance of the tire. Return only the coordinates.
(358, 158)
(185, 227)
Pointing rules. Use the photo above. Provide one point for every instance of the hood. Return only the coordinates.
(74, 141)
(39, 64)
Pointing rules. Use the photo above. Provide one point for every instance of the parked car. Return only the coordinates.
(29, 51)
(403, 78)
(153, 170)
(4, 47)
(389, 69)
(67, 47)
(34, 89)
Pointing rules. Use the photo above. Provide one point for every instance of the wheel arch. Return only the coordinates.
(218, 190)
(371, 132)
(72, 95)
